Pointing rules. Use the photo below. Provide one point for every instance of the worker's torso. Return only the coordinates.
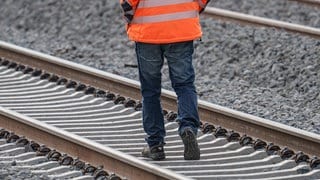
(165, 21)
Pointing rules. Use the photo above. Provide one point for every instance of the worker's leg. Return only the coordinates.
(179, 56)
(150, 61)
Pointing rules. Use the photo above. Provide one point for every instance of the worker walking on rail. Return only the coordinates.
(166, 29)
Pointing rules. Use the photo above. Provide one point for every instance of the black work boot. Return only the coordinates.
(191, 148)
(155, 152)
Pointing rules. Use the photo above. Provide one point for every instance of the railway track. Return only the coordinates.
(34, 161)
(76, 106)
(227, 15)
(309, 2)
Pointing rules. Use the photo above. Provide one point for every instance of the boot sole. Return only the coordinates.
(157, 156)
(191, 148)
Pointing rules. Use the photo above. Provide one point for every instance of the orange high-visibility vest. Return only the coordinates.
(163, 21)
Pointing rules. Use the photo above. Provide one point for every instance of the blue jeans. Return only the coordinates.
(150, 61)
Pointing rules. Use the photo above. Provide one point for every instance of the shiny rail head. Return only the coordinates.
(261, 21)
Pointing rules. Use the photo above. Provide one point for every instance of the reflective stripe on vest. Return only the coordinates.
(131, 12)
(155, 3)
(165, 17)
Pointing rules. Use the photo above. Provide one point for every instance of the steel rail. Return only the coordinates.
(244, 123)
(267, 130)
(90, 151)
(309, 2)
(255, 20)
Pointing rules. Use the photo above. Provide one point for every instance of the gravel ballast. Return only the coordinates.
(8, 172)
(262, 71)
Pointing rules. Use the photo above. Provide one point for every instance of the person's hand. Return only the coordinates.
(127, 11)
